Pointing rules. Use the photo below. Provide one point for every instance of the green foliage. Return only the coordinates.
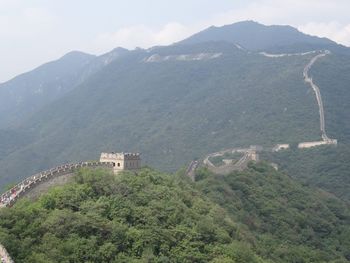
(27, 93)
(284, 221)
(258, 215)
(254, 36)
(325, 167)
(148, 217)
(172, 111)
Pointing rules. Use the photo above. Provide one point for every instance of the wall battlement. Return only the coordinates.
(122, 161)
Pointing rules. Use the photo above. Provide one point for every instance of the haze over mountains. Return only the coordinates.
(211, 91)
(258, 37)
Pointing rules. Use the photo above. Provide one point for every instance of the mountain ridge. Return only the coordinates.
(258, 37)
(179, 107)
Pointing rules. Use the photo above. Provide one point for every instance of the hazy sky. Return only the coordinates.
(33, 32)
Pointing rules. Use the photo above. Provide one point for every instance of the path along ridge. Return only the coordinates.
(317, 92)
(8, 198)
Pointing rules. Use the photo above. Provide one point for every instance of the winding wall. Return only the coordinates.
(249, 154)
(4, 256)
(19, 190)
(23, 188)
(316, 89)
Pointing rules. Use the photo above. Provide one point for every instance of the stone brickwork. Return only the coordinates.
(122, 161)
(4, 256)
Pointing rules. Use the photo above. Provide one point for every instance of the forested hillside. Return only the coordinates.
(174, 110)
(332, 76)
(288, 222)
(179, 102)
(27, 93)
(258, 215)
(254, 36)
(326, 167)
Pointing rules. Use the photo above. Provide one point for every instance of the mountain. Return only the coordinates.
(288, 222)
(101, 61)
(259, 215)
(173, 104)
(326, 167)
(180, 102)
(27, 93)
(254, 36)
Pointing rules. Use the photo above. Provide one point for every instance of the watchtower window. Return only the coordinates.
(113, 164)
(118, 164)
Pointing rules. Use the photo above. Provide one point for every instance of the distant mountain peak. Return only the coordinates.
(255, 36)
(73, 55)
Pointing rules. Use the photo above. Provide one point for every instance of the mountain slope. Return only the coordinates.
(27, 93)
(332, 75)
(258, 215)
(182, 102)
(254, 36)
(326, 167)
(173, 108)
(151, 217)
(288, 222)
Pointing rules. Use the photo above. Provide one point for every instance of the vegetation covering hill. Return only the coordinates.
(29, 92)
(258, 215)
(288, 222)
(324, 167)
(332, 76)
(172, 111)
(254, 36)
(178, 107)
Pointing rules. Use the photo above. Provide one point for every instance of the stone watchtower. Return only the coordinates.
(122, 161)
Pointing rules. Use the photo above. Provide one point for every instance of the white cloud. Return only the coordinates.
(333, 30)
(287, 12)
(141, 36)
(171, 32)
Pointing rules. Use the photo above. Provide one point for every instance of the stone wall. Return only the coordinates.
(4, 256)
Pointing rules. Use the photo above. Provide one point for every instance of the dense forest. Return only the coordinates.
(325, 167)
(258, 215)
(288, 222)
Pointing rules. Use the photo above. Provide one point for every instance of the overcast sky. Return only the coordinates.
(33, 32)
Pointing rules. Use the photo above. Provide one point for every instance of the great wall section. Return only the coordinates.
(61, 174)
(21, 189)
(325, 139)
(251, 154)
(4, 255)
(25, 187)
(248, 154)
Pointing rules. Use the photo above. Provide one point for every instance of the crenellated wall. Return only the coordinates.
(19, 190)
(27, 186)
(122, 161)
(4, 256)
